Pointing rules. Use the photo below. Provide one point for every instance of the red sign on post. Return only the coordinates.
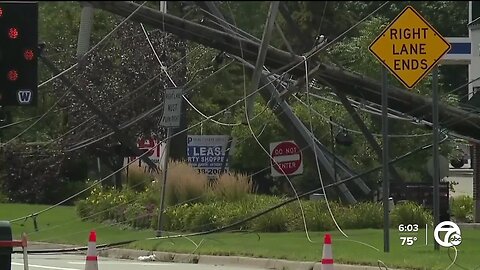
(287, 159)
(154, 149)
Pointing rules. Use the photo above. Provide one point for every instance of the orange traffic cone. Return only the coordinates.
(327, 257)
(91, 261)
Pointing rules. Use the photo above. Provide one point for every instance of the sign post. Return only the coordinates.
(170, 119)
(385, 159)
(410, 48)
(436, 160)
(287, 159)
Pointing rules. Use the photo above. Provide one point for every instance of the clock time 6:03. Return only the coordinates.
(408, 228)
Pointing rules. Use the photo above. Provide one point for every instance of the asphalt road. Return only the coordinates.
(76, 262)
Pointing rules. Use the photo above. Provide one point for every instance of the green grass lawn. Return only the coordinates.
(358, 248)
(61, 225)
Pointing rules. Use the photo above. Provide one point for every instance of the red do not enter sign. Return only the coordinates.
(286, 159)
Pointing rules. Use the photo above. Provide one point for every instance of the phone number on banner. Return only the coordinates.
(212, 171)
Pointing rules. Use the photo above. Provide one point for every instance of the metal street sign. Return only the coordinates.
(287, 159)
(155, 151)
(409, 47)
(172, 107)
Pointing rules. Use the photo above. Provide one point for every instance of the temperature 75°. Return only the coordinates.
(409, 240)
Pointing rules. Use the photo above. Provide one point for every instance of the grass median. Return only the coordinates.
(360, 247)
(61, 225)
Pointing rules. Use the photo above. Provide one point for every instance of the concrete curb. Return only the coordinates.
(262, 263)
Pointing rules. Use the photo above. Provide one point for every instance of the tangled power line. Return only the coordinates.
(211, 119)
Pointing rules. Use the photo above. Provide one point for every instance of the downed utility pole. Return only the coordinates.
(262, 54)
(366, 133)
(457, 120)
(201, 34)
(287, 118)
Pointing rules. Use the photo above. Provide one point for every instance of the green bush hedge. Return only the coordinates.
(140, 210)
(411, 213)
(462, 208)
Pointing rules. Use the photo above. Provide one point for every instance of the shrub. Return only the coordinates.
(357, 216)
(83, 208)
(150, 196)
(43, 176)
(316, 216)
(232, 187)
(137, 216)
(344, 215)
(204, 218)
(3, 197)
(138, 179)
(184, 183)
(410, 213)
(194, 218)
(140, 210)
(368, 215)
(104, 204)
(275, 221)
(462, 208)
(232, 212)
(215, 214)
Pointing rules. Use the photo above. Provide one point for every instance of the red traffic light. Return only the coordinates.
(13, 33)
(28, 55)
(1, 12)
(12, 75)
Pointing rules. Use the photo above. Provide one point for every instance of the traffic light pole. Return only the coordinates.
(18, 50)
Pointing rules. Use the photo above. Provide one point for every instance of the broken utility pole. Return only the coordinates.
(457, 120)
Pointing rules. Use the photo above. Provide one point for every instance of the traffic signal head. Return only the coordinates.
(18, 53)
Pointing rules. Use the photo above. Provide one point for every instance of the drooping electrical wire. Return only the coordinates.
(134, 160)
(232, 225)
(311, 133)
(68, 69)
(358, 131)
(248, 121)
(94, 47)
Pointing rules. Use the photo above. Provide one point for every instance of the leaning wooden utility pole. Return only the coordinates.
(287, 118)
(262, 54)
(354, 84)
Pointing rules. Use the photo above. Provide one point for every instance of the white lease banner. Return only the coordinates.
(208, 153)
(172, 107)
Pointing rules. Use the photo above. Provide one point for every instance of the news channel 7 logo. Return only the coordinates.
(451, 233)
